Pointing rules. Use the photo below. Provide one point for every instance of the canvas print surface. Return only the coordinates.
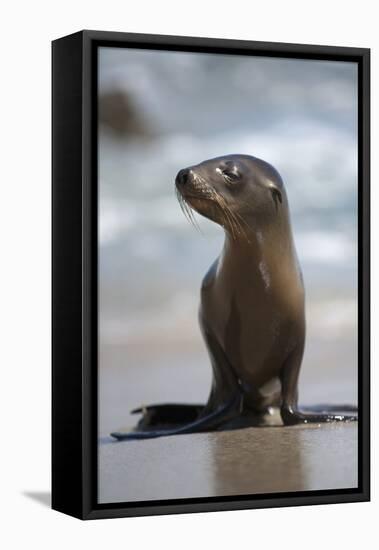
(286, 129)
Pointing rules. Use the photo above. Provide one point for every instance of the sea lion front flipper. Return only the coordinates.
(327, 409)
(291, 417)
(289, 410)
(332, 408)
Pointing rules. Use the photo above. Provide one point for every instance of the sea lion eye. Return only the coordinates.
(231, 176)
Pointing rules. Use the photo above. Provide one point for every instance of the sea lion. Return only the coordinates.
(252, 313)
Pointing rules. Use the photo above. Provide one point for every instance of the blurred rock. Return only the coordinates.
(118, 114)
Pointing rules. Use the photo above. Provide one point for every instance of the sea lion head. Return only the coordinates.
(235, 191)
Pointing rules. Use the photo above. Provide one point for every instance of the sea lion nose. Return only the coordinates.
(182, 177)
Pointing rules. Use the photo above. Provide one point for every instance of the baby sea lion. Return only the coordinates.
(252, 314)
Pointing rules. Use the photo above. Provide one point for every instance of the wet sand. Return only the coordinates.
(250, 461)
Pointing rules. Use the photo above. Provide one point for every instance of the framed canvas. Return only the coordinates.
(191, 371)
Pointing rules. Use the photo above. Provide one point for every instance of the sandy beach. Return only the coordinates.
(250, 461)
(241, 462)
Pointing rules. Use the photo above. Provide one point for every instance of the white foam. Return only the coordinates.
(325, 247)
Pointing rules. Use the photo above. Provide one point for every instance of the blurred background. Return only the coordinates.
(162, 111)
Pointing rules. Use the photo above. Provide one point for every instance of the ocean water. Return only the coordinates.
(301, 116)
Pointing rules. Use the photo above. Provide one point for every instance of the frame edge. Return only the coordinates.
(67, 386)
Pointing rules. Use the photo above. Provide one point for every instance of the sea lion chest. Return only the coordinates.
(252, 314)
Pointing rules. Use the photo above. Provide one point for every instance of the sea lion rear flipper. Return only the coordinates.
(167, 414)
(224, 403)
(207, 422)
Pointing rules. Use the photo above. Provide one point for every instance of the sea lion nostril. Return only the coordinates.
(182, 177)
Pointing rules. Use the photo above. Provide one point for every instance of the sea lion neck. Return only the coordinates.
(253, 241)
(267, 253)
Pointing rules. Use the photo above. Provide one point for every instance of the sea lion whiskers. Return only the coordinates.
(205, 192)
(187, 211)
(241, 220)
(235, 217)
(245, 222)
(183, 206)
(204, 188)
(227, 214)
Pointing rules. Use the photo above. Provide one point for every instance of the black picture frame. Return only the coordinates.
(74, 272)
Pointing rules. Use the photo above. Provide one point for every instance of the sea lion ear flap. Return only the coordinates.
(276, 194)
